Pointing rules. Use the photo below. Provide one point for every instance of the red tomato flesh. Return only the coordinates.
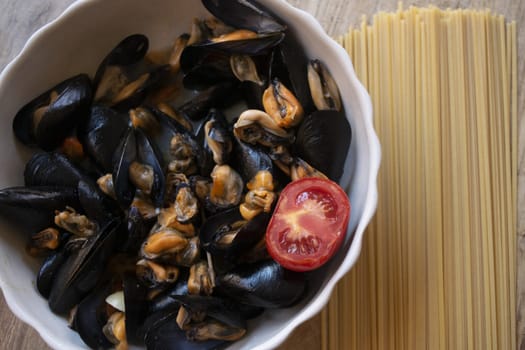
(309, 224)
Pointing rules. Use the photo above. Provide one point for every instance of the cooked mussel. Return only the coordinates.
(48, 270)
(101, 134)
(49, 118)
(260, 196)
(265, 284)
(163, 333)
(52, 169)
(91, 316)
(110, 77)
(228, 234)
(43, 242)
(217, 137)
(163, 243)
(125, 154)
(200, 279)
(38, 203)
(323, 141)
(282, 105)
(323, 88)
(226, 189)
(257, 127)
(206, 318)
(80, 273)
(249, 159)
(244, 14)
(154, 274)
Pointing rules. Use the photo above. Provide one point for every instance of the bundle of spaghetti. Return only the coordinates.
(437, 267)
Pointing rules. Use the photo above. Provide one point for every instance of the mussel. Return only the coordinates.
(264, 283)
(49, 118)
(80, 273)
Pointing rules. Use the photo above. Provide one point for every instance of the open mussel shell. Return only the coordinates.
(165, 299)
(222, 310)
(159, 128)
(244, 14)
(217, 140)
(147, 155)
(135, 295)
(248, 160)
(101, 133)
(245, 234)
(95, 204)
(80, 273)
(266, 284)
(137, 230)
(52, 169)
(124, 155)
(137, 91)
(323, 140)
(38, 203)
(294, 63)
(217, 96)
(212, 69)
(48, 270)
(129, 51)
(91, 316)
(49, 118)
(163, 333)
(197, 54)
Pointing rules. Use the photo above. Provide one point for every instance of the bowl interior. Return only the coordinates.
(76, 43)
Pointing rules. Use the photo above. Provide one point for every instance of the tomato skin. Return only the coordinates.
(309, 224)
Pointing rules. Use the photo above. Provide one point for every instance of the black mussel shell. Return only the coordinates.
(37, 203)
(218, 133)
(249, 235)
(249, 312)
(81, 272)
(52, 169)
(198, 54)
(323, 141)
(160, 137)
(266, 284)
(222, 310)
(48, 270)
(61, 116)
(101, 133)
(137, 230)
(248, 160)
(244, 14)
(163, 333)
(146, 154)
(91, 316)
(217, 96)
(96, 205)
(296, 63)
(135, 296)
(129, 51)
(252, 94)
(210, 69)
(124, 155)
(156, 78)
(165, 299)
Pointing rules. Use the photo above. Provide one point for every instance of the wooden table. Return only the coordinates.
(18, 20)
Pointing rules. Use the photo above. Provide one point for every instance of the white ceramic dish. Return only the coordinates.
(76, 42)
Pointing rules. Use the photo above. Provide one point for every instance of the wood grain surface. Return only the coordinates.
(18, 20)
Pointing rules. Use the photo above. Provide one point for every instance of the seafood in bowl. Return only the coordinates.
(154, 194)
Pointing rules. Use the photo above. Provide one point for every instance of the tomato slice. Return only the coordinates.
(309, 224)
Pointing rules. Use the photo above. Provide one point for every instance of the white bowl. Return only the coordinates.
(76, 42)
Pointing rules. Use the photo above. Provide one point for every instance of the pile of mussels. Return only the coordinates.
(150, 212)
